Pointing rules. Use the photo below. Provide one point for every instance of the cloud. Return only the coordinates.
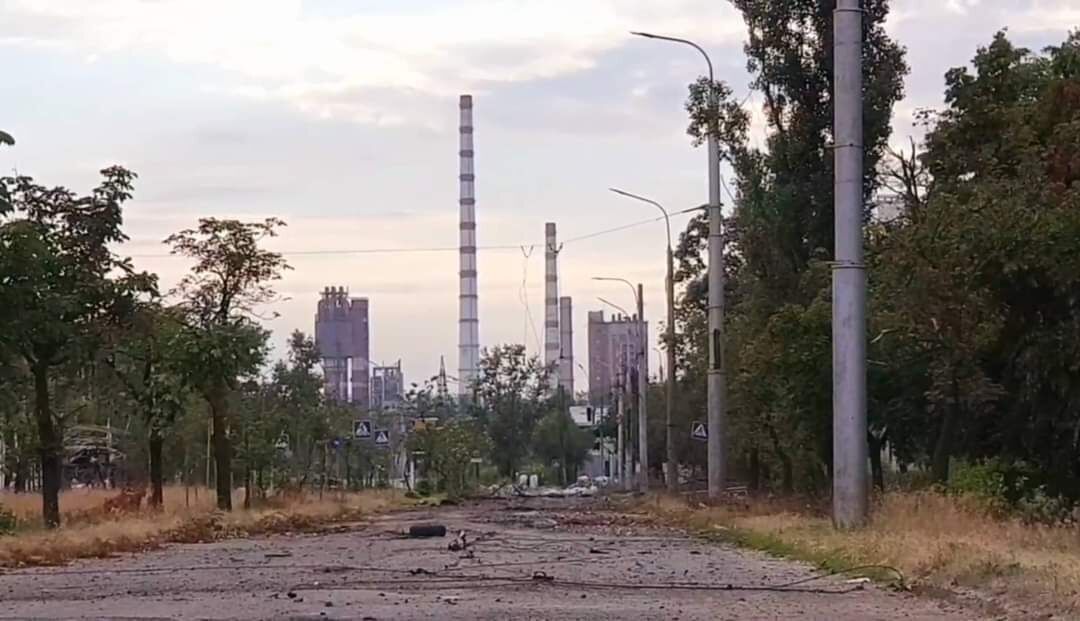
(321, 64)
(1017, 15)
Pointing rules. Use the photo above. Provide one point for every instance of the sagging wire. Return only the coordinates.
(524, 297)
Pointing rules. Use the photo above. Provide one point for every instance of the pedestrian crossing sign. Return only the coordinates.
(699, 431)
(382, 438)
(362, 428)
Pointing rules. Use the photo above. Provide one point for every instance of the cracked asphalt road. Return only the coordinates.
(524, 559)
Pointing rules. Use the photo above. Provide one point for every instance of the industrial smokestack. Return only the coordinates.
(566, 343)
(469, 317)
(551, 302)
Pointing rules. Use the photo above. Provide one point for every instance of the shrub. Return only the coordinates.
(8, 521)
(1010, 488)
(423, 487)
(1040, 506)
(984, 480)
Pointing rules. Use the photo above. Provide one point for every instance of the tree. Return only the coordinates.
(781, 230)
(512, 394)
(143, 360)
(16, 420)
(981, 280)
(61, 286)
(5, 197)
(447, 448)
(232, 277)
(558, 439)
(298, 390)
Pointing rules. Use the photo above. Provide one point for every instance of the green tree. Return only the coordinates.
(62, 286)
(231, 279)
(512, 394)
(558, 439)
(446, 449)
(16, 421)
(781, 230)
(981, 279)
(307, 418)
(143, 360)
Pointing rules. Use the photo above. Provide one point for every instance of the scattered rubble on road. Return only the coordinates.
(584, 486)
(547, 557)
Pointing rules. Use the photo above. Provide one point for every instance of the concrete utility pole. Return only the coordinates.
(849, 275)
(643, 390)
(671, 470)
(625, 454)
(641, 362)
(717, 382)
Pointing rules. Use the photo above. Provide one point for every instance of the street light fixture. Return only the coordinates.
(717, 381)
(672, 467)
(643, 379)
(625, 461)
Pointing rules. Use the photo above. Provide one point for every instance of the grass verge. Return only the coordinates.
(89, 533)
(940, 543)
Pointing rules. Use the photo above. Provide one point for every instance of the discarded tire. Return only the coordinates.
(427, 530)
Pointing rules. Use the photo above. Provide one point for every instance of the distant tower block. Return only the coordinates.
(342, 337)
(551, 302)
(469, 312)
(566, 345)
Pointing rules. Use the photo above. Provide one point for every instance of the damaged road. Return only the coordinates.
(535, 558)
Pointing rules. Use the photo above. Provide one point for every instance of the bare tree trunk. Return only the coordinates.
(943, 447)
(187, 478)
(787, 469)
(755, 470)
(322, 484)
(51, 447)
(157, 496)
(876, 468)
(222, 448)
(788, 474)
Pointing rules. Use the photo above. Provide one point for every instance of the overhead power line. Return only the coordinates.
(418, 250)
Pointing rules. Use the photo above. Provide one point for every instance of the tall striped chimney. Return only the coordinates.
(551, 302)
(566, 346)
(469, 318)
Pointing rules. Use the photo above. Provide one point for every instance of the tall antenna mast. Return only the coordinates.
(443, 393)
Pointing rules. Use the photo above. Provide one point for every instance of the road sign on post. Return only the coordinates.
(362, 428)
(699, 431)
(382, 438)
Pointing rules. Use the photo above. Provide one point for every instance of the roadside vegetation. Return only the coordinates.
(973, 273)
(944, 545)
(89, 532)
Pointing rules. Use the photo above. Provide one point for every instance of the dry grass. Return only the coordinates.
(83, 503)
(90, 533)
(938, 541)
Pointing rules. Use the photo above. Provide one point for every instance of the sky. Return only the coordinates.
(340, 117)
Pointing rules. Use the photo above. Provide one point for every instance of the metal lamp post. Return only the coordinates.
(643, 383)
(625, 458)
(672, 469)
(717, 382)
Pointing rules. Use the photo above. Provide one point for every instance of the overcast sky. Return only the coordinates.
(340, 116)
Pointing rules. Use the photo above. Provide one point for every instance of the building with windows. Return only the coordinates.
(387, 387)
(343, 339)
(615, 347)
